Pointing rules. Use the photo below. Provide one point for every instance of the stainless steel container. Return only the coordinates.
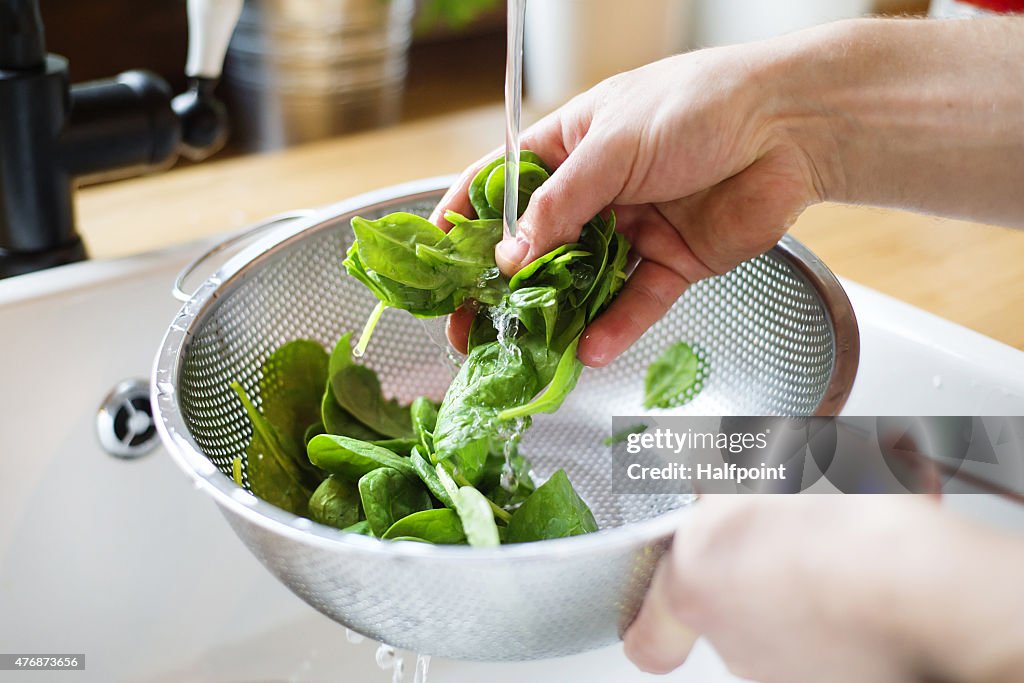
(303, 70)
(781, 339)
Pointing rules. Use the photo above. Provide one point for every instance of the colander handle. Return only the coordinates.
(178, 291)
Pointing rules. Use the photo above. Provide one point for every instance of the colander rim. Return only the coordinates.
(187, 454)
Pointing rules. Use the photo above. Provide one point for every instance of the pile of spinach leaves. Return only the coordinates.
(328, 444)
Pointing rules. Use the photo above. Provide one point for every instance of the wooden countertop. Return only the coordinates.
(968, 273)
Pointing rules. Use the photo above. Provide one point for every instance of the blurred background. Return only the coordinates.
(305, 70)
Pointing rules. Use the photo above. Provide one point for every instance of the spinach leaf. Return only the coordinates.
(554, 510)
(273, 473)
(674, 378)
(335, 503)
(291, 380)
(388, 496)
(424, 418)
(362, 528)
(564, 381)
(350, 459)
(623, 435)
(340, 422)
(428, 475)
(388, 247)
(468, 427)
(477, 517)
(357, 389)
(431, 526)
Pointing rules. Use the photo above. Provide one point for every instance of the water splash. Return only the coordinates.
(422, 666)
(385, 657)
(354, 637)
(398, 670)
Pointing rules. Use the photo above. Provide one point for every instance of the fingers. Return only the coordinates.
(657, 642)
(589, 180)
(459, 323)
(646, 296)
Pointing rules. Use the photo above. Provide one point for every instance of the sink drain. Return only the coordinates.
(125, 422)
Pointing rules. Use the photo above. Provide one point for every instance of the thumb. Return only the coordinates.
(588, 182)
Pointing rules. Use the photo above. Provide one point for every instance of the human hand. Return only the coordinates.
(859, 588)
(690, 156)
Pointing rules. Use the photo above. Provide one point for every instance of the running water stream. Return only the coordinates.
(513, 110)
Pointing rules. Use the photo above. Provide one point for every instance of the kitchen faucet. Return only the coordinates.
(54, 135)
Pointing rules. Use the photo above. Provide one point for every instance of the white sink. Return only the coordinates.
(125, 562)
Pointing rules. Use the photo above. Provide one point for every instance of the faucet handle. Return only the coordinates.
(210, 25)
(204, 122)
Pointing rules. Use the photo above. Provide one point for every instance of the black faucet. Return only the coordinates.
(54, 135)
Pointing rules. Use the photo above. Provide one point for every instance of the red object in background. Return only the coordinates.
(1005, 6)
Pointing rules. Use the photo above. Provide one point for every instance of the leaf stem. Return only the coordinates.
(371, 323)
(498, 511)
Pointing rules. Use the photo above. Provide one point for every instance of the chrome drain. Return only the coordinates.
(125, 424)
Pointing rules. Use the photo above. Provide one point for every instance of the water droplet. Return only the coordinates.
(937, 381)
(354, 637)
(357, 352)
(422, 665)
(385, 657)
(398, 672)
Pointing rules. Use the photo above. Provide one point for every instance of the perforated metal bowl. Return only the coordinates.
(778, 331)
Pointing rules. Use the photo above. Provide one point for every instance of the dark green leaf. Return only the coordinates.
(554, 510)
(340, 422)
(424, 418)
(428, 475)
(335, 503)
(272, 472)
(357, 389)
(388, 496)
(350, 459)
(289, 388)
(566, 375)
(432, 526)
(362, 528)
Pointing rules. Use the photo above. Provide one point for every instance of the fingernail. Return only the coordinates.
(511, 253)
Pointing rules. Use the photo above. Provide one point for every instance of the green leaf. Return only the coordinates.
(623, 435)
(388, 496)
(674, 378)
(477, 517)
(340, 422)
(350, 459)
(272, 472)
(357, 389)
(388, 246)
(554, 510)
(432, 526)
(566, 375)
(489, 381)
(291, 380)
(424, 418)
(428, 475)
(362, 528)
(335, 503)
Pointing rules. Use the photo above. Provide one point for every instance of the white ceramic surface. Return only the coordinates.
(125, 562)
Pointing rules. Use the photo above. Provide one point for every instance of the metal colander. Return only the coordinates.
(779, 335)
